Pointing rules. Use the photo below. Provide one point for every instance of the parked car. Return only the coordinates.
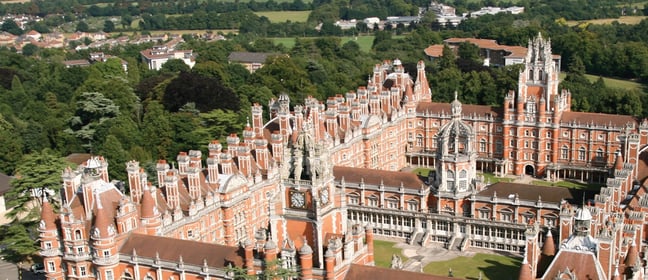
(38, 268)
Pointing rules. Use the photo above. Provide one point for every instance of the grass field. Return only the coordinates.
(492, 267)
(623, 19)
(611, 82)
(284, 16)
(490, 177)
(569, 184)
(383, 251)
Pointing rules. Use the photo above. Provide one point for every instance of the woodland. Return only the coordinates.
(48, 111)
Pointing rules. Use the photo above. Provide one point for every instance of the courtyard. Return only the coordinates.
(433, 259)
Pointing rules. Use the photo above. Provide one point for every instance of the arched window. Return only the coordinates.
(564, 152)
(581, 153)
(599, 154)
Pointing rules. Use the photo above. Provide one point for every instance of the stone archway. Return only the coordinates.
(529, 170)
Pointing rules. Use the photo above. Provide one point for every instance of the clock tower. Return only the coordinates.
(309, 209)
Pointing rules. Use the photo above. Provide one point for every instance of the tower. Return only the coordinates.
(49, 241)
(456, 155)
(310, 213)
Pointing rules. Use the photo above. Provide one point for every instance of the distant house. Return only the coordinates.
(94, 58)
(251, 60)
(4, 188)
(154, 58)
(493, 53)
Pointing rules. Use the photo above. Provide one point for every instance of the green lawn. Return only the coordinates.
(493, 267)
(611, 82)
(422, 171)
(569, 184)
(283, 16)
(383, 252)
(491, 178)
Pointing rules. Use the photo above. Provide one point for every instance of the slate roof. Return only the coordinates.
(171, 249)
(597, 119)
(358, 272)
(248, 57)
(375, 177)
(582, 264)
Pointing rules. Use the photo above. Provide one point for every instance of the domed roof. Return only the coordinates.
(583, 214)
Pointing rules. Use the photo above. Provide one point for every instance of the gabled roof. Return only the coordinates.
(582, 265)
(171, 249)
(359, 272)
(248, 57)
(375, 177)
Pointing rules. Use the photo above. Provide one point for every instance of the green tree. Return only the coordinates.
(35, 172)
(157, 129)
(93, 108)
(218, 124)
(30, 50)
(12, 147)
(19, 244)
(108, 26)
(117, 157)
(174, 66)
(82, 26)
(11, 27)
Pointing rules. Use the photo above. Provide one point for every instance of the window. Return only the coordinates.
(82, 271)
(48, 245)
(581, 153)
(412, 206)
(534, 144)
(600, 137)
(498, 146)
(526, 144)
(109, 275)
(548, 146)
(564, 152)
(506, 215)
(419, 140)
(77, 235)
(73, 269)
(372, 201)
(565, 133)
(548, 157)
(392, 203)
(190, 233)
(106, 253)
(354, 199)
(482, 145)
(548, 134)
(51, 267)
(498, 128)
(512, 143)
(484, 214)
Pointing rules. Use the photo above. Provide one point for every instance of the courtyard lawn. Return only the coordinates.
(422, 171)
(383, 252)
(284, 16)
(493, 267)
(611, 82)
(491, 178)
(569, 185)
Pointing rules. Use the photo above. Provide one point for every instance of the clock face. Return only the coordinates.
(297, 199)
(324, 196)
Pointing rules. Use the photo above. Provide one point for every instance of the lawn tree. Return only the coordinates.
(35, 172)
(20, 242)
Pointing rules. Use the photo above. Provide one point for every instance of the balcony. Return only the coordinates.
(76, 257)
(51, 252)
(101, 260)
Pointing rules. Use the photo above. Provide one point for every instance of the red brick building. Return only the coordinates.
(312, 185)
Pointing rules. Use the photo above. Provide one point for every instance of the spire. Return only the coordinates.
(456, 106)
(549, 247)
(525, 270)
(618, 163)
(148, 203)
(102, 221)
(633, 256)
(48, 218)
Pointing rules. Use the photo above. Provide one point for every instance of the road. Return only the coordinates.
(9, 271)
